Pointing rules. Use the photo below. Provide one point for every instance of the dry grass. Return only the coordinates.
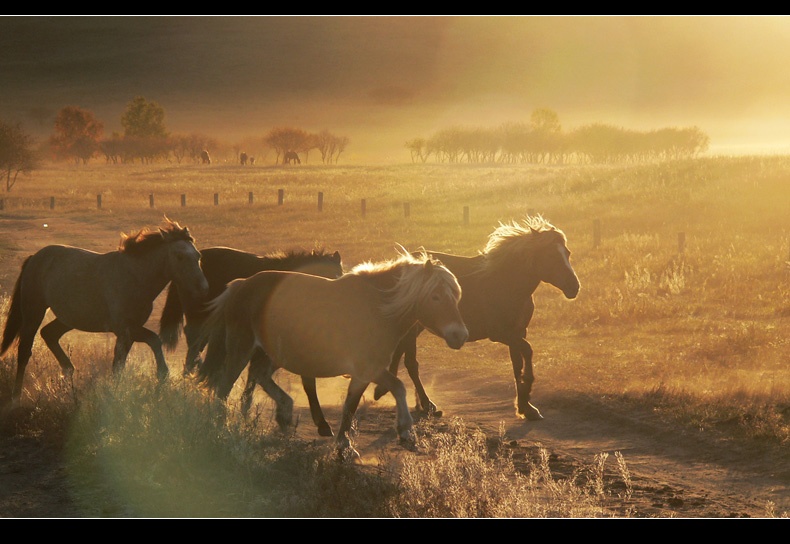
(700, 336)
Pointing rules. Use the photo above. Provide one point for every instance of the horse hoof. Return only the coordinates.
(379, 392)
(348, 455)
(532, 413)
(325, 430)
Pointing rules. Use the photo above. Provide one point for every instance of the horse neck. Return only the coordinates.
(519, 282)
(383, 283)
(150, 268)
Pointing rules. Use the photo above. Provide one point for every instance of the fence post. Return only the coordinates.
(681, 242)
(364, 205)
(2, 204)
(406, 209)
(52, 203)
(280, 196)
(250, 197)
(98, 201)
(597, 233)
(151, 200)
(320, 201)
(216, 199)
(183, 200)
(466, 215)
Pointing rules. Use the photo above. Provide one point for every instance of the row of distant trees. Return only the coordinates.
(542, 141)
(79, 136)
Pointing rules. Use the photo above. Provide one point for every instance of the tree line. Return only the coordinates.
(78, 136)
(542, 141)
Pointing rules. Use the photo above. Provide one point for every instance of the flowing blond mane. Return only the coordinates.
(514, 240)
(412, 281)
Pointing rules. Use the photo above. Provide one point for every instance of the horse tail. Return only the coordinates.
(172, 321)
(13, 321)
(212, 334)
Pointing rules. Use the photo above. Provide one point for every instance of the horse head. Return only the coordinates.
(438, 310)
(183, 265)
(553, 265)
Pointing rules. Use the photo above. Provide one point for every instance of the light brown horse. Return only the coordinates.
(317, 327)
(101, 292)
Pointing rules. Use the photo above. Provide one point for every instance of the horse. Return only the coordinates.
(220, 266)
(101, 292)
(204, 157)
(291, 156)
(243, 158)
(318, 327)
(498, 285)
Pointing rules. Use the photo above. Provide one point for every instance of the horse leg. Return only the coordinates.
(315, 407)
(142, 334)
(31, 319)
(356, 388)
(238, 347)
(123, 343)
(379, 391)
(261, 372)
(51, 334)
(194, 347)
(398, 390)
(424, 404)
(521, 357)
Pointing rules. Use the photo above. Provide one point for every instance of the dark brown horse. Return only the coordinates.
(317, 327)
(110, 292)
(497, 284)
(291, 157)
(222, 265)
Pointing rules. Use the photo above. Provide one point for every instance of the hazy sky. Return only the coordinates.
(382, 80)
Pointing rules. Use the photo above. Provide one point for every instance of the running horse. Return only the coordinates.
(101, 292)
(318, 327)
(498, 285)
(222, 265)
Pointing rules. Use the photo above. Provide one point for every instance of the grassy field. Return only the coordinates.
(685, 267)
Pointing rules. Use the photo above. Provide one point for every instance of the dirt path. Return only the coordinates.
(674, 473)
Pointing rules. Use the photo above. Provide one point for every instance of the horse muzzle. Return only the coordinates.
(456, 336)
(572, 290)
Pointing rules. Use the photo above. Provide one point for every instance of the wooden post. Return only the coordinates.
(364, 205)
(2, 204)
(98, 201)
(216, 199)
(466, 215)
(681, 242)
(597, 233)
(151, 200)
(320, 201)
(52, 203)
(183, 200)
(250, 197)
(280, 196)
(406, 209)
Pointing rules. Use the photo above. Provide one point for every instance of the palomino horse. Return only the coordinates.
(222, 265)
(498, 285)
(317, 327)
(109, 292)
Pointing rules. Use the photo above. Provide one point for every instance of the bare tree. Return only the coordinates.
(16, 153)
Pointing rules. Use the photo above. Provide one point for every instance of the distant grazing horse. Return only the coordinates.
(290, 157)
(204, 158)
(109, 292)
(317, 327)
(243, 158)
(222, 265)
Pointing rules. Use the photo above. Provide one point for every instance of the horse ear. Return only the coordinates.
(429, 265)
(336, 256)
(534, 230)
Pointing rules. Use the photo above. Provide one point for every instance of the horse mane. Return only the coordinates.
(411, 284)
(515, 239)
(146, 238)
